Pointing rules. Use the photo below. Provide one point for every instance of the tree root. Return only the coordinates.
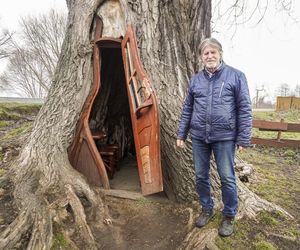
(80, 218)
(16, 230)
(200, 239)
(42, 207)
(251, 204)
(42, 233)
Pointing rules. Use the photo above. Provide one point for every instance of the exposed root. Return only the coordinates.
(200, 239)
(80, 218)
(16, 230)
(251, 204)
(191, 220)
(42, 233)
(51, 206)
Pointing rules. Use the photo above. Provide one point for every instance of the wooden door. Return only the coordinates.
(144, 117)
(83, 153)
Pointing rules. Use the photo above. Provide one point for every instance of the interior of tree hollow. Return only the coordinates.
(111, 114)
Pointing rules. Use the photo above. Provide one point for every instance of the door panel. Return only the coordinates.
(87, 165)
(144, 117)
(83, 153)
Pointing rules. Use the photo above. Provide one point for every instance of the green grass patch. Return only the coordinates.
(17, 131)
(268, 219)
(264, 245)
(292, 116)
(239, 239)
(21, 108)
(59, 242)
(15, 111)
(143, 201)
(4, 124)
(277, 172)
(6, 115)
(254, 156)
(2, 221)
(251, 234)
(273, 134)
(2, 172)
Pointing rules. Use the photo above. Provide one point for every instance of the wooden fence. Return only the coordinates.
(278, 127)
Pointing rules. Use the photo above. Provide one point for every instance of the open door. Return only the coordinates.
(144, 117)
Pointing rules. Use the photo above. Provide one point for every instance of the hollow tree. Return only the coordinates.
(47, 188)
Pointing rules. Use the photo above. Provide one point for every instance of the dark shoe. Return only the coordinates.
(204, 217)
(226, 228)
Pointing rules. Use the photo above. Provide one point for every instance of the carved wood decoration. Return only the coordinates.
(144, 117)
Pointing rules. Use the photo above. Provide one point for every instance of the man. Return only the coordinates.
(217, 113)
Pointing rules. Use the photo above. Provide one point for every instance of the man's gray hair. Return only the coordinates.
(213, 42)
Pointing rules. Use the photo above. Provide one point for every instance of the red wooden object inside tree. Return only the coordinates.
(98, 161)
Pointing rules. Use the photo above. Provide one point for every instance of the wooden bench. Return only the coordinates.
(109, 153)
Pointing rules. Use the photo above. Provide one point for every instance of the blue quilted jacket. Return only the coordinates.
(217, 108)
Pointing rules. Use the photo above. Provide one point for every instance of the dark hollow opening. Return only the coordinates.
(111, 114)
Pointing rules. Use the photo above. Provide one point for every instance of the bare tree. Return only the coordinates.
(5, 39)
(32, 62)
(236, 13)
(297, 90)
(284, 89)
(48, 191)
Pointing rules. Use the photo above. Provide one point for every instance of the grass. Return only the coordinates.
(15, 111)
(4, 124)
(5, 115)
(143, 201)
(60, 242)
(17, 131)
(268, 219)
(21, 108)
(1, 154)
(2, 172)
(288, 116)
(239, 240)
(2, 221)
(292, 116)
(263, 245)
(252, 234)
(277, 173)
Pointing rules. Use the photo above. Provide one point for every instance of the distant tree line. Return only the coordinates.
(285, 90)
(32, 54)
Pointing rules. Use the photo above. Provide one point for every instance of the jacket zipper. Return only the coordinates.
(221, 89)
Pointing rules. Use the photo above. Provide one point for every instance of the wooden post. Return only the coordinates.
(279, 132)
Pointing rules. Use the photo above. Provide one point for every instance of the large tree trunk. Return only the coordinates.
(47, 188)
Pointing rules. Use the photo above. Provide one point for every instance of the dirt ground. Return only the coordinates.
(144, 224)
(157, 223)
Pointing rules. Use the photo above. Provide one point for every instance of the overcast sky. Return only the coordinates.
(268, 53)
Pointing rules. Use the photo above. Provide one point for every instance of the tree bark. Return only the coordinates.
(47, 188)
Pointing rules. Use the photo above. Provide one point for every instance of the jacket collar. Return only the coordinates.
(210, 75)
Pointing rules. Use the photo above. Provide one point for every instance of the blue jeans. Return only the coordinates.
(224, 152)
